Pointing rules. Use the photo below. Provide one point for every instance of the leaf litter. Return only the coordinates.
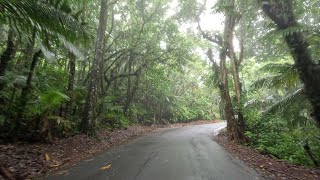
(266, 165)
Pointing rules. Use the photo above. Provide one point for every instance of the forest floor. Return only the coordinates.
(267, 166)
(27, 161)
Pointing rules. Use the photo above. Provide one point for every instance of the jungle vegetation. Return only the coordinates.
(79, 66)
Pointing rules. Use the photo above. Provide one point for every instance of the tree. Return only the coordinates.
(235, 125)
(140, 68)
(32, 20)
(281, 13)
(90, 108)
(6, 56)
(232, 125)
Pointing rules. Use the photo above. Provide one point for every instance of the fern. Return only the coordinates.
(260, 102)
(277, 68)
(52, 99)
(285, 76)
(293, 98)
(282, 76)
(288, 31)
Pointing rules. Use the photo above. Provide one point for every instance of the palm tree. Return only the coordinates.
(282, 14)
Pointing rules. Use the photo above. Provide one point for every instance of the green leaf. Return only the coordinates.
(53, 99)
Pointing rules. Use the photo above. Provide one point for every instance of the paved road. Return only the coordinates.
(187, 153)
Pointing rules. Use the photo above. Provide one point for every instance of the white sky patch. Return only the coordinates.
(209, 21)
(201, 53)
(173, 8)
(163, 45)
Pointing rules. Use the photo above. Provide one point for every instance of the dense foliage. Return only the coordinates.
(149, 72)
(280, 119)
(78, 66)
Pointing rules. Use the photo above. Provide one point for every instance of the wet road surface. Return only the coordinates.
(186, 153)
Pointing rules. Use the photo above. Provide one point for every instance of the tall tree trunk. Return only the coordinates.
(240, 122)
(281, 13)
(235, 73)
(72, 70)
(129, 88)
(228, 109)
(6, 56)
(313, 158)
(222, 103)
(28, 52)
(235, 63)
(90, 114)
(133, 91)
(234, 128)
(217, 82)
(26, 90)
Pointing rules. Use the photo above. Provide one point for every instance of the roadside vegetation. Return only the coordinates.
(72, 67)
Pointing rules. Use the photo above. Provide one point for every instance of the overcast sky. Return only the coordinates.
(209, 21)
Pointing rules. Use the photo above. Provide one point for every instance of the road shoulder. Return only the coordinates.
(267, 166)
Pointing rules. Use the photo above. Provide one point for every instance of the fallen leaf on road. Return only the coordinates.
(88, 160)
(106, 167)
(55, 164)
(46, 157)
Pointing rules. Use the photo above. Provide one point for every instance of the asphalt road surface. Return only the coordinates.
(187, 153)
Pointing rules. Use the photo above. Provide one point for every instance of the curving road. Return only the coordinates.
(187, 153)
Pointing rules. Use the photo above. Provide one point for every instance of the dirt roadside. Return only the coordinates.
(267, 166)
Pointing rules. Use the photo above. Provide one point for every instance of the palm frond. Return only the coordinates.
(32, 14)
(47, 54)
(285, 76)
(277, 68)
(71, 47)
(288, 31)
(259, 102)
(293, 98)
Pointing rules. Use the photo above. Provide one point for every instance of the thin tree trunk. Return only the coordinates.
(228, 109)
(13, 94)
(235, 63)
(234, 128)
(217, 82)
(90, 114)
(307, 149)
(6, 56)
(26, 90)
(222, 103)
(82, 73)
(72, 69)
(128, 99)
(132, 93)
(28, 52)
(235, 73)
